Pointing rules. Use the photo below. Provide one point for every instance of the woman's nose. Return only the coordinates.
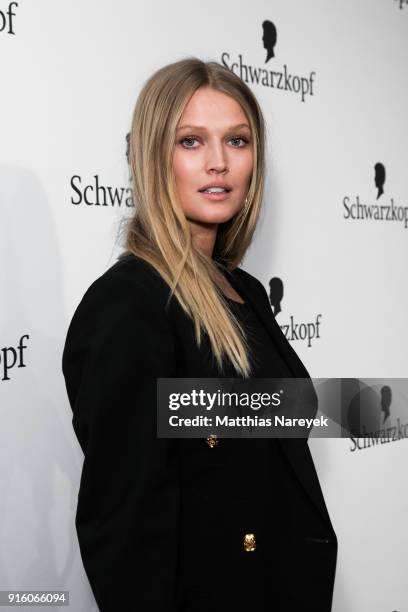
(217, 158)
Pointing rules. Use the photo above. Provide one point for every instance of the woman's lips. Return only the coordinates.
(217, 197)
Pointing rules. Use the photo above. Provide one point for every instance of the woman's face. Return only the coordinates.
(213, 148)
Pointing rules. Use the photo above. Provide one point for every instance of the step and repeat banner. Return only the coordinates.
(331, 247)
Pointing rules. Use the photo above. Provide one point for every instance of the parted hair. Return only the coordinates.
(158, 230)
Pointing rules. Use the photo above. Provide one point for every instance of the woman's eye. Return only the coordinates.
(190, 140)
(244, 140)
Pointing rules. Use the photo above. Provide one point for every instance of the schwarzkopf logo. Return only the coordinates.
(6, 19)
(377, 212)
(367, 412)
(103, 195)
(279, 77)
(11, 357)
(293, 330)
(95, 194)
(402, 2)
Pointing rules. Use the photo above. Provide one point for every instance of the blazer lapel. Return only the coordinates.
(265, 313)
(300, 461)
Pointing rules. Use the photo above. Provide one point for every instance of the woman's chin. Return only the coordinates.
(213, 216)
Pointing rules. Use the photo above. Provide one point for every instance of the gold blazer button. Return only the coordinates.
(249, 542)
(212, 440)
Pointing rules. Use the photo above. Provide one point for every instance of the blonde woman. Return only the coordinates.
(200, 524)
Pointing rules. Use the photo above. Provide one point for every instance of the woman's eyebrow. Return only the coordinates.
(201, 127)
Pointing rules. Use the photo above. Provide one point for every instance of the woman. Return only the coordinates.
(199, 524)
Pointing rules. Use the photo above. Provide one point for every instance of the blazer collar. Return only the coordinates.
(301, 462)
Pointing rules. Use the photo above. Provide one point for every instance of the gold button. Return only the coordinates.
(212, 440)
(249, 542)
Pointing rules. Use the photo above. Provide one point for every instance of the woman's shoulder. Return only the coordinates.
(249, 279)
(133, 271)
(129, 276)
(129, 286)
(122, 317)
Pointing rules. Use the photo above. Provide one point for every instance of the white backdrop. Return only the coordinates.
(70, 75)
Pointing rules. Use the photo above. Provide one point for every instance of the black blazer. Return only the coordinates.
(160, 522)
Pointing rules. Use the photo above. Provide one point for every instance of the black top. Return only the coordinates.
(265, 359)
(267, 362)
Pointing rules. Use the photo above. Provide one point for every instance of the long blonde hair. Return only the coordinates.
(159, 233)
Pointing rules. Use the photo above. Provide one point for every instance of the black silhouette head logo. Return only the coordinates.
(269, 38)
(127, 146)
(128, 156)
(275, 294)
(386, 401)
(379, 178)
(364, 406)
